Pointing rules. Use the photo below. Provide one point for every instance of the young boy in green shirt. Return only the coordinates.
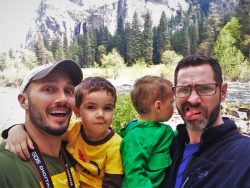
(146, 141)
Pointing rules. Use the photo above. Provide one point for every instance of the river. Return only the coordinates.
(238, 93)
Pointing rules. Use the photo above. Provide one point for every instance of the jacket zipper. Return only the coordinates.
(185, 182)
(187, 178)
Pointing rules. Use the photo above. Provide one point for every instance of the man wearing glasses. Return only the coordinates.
(208, 151)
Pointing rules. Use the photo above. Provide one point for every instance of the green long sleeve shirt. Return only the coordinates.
(145, 153)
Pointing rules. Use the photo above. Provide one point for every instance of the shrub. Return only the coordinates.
(124, 112)
(113, 61)
(170, 57)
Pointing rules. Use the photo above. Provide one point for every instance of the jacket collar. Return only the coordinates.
(211, 134)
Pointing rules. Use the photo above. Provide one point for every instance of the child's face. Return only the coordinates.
(96, 112)
(167, 109)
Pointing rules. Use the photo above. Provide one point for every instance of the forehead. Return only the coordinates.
(97, 96)
(195, 75)
(56, 76)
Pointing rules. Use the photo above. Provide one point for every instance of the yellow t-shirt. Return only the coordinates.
(94, 159)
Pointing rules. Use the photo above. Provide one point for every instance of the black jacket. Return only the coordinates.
(222, 161)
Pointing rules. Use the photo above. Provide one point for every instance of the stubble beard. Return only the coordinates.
(201, 124)
(38, 120)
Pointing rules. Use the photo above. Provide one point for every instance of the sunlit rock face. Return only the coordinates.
(69, 18)
(73, 17)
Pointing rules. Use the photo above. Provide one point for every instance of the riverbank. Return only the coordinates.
(238, 95)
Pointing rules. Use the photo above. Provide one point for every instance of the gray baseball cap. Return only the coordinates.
(69, 66)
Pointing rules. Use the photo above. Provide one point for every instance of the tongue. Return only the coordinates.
(190, 115)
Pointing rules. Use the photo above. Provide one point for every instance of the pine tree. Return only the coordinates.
(193, 39)
(73, 52)
(156, 54)
(101, 50)
(244, 16)
(244, 20)
(59, 55)
(86, 50)
(55, 44)
(135, 40)
(57, 48)
(108, 39)
(214, 23)
(93, 46)
(127, 56)
(148, 40)
(120, 38)
(185, 44)
(202, 28)
(42, 54)
(163, 35)
(65, 42)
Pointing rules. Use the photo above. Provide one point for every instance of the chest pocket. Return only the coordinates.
(159, 161)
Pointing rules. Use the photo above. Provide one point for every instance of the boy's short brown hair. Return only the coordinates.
(147, 90)
(93, 84)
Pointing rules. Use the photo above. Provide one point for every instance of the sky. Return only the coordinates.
(15, 19)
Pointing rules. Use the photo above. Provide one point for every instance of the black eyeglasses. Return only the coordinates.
(201, 89)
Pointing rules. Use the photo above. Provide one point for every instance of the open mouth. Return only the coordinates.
(58, 112)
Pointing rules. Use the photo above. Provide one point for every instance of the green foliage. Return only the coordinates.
(163, 38)
(93, 46)
(59, 55)
(124, 112)
(56, 44)
(42, 54)
(234, 28)
(244, 71)
(214, 23)
(73, 52)
(28, 58)
(140, 63)
(134, 46)
(193, 39)
(245, 46)
(180, 42)
(114, 61)
(147, 42)
(101, 50)
(170, 57)
(227, 52)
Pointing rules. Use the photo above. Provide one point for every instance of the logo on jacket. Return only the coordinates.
(201, 173)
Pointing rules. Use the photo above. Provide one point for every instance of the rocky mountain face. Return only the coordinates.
(71, 17)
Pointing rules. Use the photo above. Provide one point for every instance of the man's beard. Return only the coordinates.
(201, 124)
(37, 119)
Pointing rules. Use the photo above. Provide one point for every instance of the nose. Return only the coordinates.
(194, 98)
(61, 97)
(99, 113)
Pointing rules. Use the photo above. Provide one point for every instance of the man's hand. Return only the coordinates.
(18, 142)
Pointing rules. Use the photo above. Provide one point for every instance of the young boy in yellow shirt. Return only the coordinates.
(92, 143)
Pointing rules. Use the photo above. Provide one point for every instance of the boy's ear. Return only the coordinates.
(23, 100)
(157, 106)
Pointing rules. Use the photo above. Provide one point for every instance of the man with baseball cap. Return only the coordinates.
(47, 96)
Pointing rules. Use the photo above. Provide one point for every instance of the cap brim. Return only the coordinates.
(71, 68)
